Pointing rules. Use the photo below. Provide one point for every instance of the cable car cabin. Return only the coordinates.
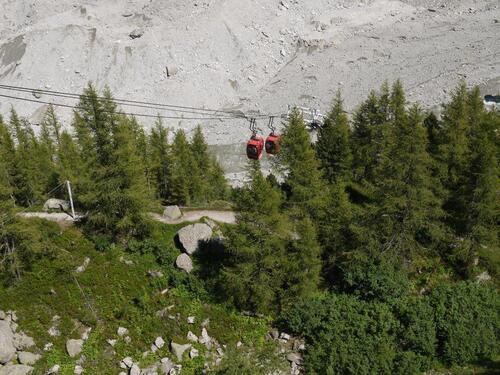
(273, 144)
(254, 147)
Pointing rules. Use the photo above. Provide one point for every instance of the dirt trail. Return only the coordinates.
(227, 217)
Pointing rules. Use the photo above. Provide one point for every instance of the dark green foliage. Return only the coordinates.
(467, 317)
(183, 165)
(344, 335)
(374, 279)
(307, 189)
(333, 145)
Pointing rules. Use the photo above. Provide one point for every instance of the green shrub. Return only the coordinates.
(344, 335)
(467, 319)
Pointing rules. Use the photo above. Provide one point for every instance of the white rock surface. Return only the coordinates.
(78, 370)
(56, 204)
(135, 370)
(159, 342)
(122, 331)
(191, 236)
(192, 337)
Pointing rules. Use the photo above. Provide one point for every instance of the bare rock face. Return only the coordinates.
(191, 236)
(7, 348)
(172, 213)
(184, 262)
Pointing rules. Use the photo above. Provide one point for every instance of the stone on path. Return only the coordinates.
(172, 213)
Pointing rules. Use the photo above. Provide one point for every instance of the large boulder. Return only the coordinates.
(56, 204)
(191, 236)
(16, 370)
(184, 262)
(7, 348)
(172, 213)
(74, 347)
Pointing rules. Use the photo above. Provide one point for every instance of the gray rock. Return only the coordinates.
(56, 204)
(484, 277)
(294, 358)
(74, 347)
(205, 338)
(16, 370)
(135, 370)
(53, 370)
(122, 331)
(192, 337)
(3, 316)
(151, 370)
(154, 274)
(137, 33)
(84, 265)
(166, 365)
(184, 262)
(7, 347)
(126, 362)
(171, 70)
(190, 236)
(159, 342)
(78, 370)
(27, 358)
(179, 349)
(193, 353)
(172, 212)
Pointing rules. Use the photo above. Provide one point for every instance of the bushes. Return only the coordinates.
(344, 334)
(467, 321)
(455, 324)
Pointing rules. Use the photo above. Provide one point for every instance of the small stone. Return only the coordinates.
(83, 267)
(193, 353)
(122, 331)
(48, 346)
(294, 358)
(484, 277)
(192, 337)
(111, 342)
(127, 339)
(155, 274)
(275, 334)
(285, 336)
(54, 331)
(190, 319)
(166, 366)
(127, 362)
(137, 33)
(53, 370)
(220, 351)
(239, 344)
(78, 370)
(74, 347)
(154, 348)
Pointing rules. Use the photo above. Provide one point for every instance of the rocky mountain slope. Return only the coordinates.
(247, 55)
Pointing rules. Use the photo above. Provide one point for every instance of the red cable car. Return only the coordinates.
(273, 144)
(254, 147)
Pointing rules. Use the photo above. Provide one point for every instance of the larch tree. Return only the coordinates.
(161, 161)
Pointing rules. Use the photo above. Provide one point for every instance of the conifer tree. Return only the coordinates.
(408, 212)
(254, 279)
(160, 161)
(307, 188)
(183, 187)
(70, 166)
(333, 144)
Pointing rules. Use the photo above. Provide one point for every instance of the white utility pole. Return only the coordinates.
(68, 185)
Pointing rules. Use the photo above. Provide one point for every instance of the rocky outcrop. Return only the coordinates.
(190, 236)
(7, 348)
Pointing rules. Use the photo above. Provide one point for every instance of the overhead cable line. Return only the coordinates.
(137, 103)
(122, 112)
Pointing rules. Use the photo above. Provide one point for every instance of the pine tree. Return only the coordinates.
(333, 144)
(407, 215)
(254, 279)
(307, 188)
(183, 186)
(160, 161)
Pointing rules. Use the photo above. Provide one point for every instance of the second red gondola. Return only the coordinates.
(254, 147)
(273, 144)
